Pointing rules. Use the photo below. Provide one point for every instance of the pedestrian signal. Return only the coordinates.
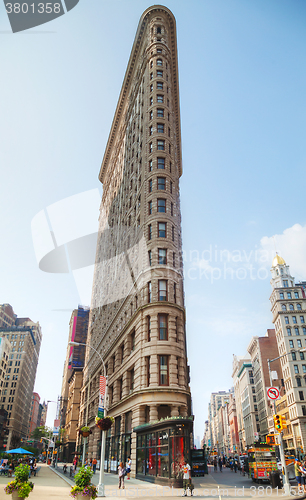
(284, 424)
(270, 439)
(278, 424)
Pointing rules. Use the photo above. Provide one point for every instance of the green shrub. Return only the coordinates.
(83, 477)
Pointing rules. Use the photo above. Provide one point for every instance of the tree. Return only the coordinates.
(41, 431)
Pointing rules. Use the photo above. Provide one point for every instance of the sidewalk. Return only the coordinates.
(53, 484)
(47, 485)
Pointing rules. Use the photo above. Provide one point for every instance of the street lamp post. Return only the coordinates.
(101, 485)
(282, 452)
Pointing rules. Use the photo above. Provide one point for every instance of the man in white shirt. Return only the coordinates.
(186, 479)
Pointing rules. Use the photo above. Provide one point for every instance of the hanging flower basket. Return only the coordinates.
(85, 431)
(104, 423)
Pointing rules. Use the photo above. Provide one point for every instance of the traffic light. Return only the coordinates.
(278, 424)
(284, 424)
(270, 439)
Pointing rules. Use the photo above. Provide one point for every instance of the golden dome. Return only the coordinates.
(278, 261)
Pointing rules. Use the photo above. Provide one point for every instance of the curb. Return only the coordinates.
(68, 481)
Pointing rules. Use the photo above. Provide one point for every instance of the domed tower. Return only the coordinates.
(281, 277)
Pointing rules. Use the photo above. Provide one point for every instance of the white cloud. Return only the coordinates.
(291, 245)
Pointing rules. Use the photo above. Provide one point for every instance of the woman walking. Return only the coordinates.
(121, 473)
(128, 467)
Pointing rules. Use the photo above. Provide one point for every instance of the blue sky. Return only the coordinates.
(242, 91)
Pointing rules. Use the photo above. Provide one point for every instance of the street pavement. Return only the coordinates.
(53, 484)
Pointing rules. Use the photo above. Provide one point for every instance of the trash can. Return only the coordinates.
(275, 479)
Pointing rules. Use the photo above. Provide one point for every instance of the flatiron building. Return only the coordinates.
(137, 317)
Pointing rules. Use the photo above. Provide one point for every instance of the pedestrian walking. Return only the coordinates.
(235, 465)
(220, 464)
(94, 465)
(187, 479)
(298, 475)
(121, 474)
(128, 467)
(75, 463)
(215, 465)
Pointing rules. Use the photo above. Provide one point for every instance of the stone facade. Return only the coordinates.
(288, 306)
(16, 396)
(261, 349)
(137, 318)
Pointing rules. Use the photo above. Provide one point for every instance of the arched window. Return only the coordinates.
(291, 308)
(299, 307)
(284, 307)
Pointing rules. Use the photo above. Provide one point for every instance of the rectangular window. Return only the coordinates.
(161, 205)
(150, 130)
(162, 256)
(151, 101)
(151, 87)
(133, 341)
(150, 207)
(285, 284)
(160, 98)
(150, 185)
(151, 115)
(151, 76)
(281, 295)
(174, 292)
(171, 185)
(162, 290)
(289, 295)
(291, 345)
(150, 165)
(160, 85)
(161, 163)
(304, 368)
(162, 230)
(160, 113)
(286, 320)
(294, 320)
(161, 183)
(293, 356)
(296, 369)
(302, 357)
(296, 330)
(301, 395)
(172, 209)
(161, 145)
(160, 128)
(172, 233)
(299, 343)
(289, 331)
(304, 330)
(173, 259)
(132, 380)
(159, 62)
(302, 319)
(150, 147)
(163, 326)
(148, 328)
(159, 73)
(150, 231)
(149, 292)
(148, 370)
(296, 295)
(150, 257)
(163, 370)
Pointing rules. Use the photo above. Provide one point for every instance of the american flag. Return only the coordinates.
(102, 385)
(303, 288)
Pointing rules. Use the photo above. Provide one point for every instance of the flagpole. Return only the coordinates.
(101, 485)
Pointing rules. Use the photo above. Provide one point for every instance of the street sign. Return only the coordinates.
(273, 393)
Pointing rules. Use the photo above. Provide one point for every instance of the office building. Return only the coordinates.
(137, 318)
